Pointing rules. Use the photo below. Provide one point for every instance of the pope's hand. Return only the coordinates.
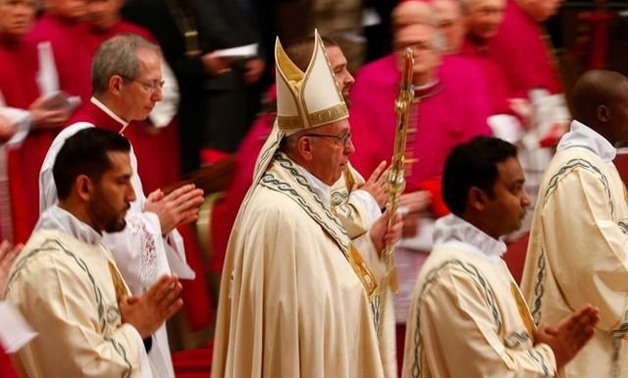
(376, 184)
(381, 235)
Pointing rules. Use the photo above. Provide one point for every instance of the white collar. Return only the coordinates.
(582, 136)
(453, 230)
(56, 218)
(323, 190)
(111, 114)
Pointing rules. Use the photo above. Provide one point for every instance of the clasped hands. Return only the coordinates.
(178, 207)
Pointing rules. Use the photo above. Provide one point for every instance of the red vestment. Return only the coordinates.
(69, 48)
(18, 70)
(520, 50)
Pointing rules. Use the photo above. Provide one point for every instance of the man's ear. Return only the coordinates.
(84, 187)
(603, 113)
(477, 198)
(115, 83)
(304, 147)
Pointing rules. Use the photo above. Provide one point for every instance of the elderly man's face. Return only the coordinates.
(103, 14)
(484, 17)
(16, 17)
(67, 9)
(140, 94)
(412, 12)
(330, 146)
(451, 23)
(421, 39)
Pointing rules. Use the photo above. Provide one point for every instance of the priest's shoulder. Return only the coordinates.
(460, 69)
(46, 252)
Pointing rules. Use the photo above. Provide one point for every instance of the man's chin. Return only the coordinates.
(347, 99)
(116, 227)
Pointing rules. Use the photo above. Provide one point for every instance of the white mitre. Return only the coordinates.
(305, 100)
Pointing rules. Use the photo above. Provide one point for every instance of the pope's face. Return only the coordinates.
(113, 194)
(16, 17)
(484, 17)
(331, 146)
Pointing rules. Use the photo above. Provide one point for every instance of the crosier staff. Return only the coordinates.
(396, 182)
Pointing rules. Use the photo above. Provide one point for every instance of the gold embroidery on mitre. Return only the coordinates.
(334, 113)
(299, 92)
(289, 122)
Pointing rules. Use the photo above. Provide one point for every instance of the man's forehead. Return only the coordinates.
(414, 33)
(487, 3)
(335, 55)
(510, 171)
(119, 159)
(448, 8)
(335, 127)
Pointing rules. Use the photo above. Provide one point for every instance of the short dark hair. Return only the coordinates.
(473, 164)
(300, 50)
(85, 153)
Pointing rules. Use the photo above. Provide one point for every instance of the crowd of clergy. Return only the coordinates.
(108, 107)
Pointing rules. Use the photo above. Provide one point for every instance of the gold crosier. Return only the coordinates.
(396, 182)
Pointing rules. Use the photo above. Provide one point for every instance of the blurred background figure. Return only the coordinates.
(32, 108)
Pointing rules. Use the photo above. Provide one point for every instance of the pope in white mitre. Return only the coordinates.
(298, 297)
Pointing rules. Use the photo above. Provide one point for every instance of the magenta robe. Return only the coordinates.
(519, 49)
(497, 84)
(18, 70)
(71, 55)
(153, 148)
(456, 111)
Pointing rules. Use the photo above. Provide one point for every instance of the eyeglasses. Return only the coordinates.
(149, 86)
(415, 46)
(343, 139)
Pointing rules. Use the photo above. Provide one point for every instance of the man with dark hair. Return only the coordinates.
(127, 80)
(468, 317)
(66, 283)
(577, 252)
